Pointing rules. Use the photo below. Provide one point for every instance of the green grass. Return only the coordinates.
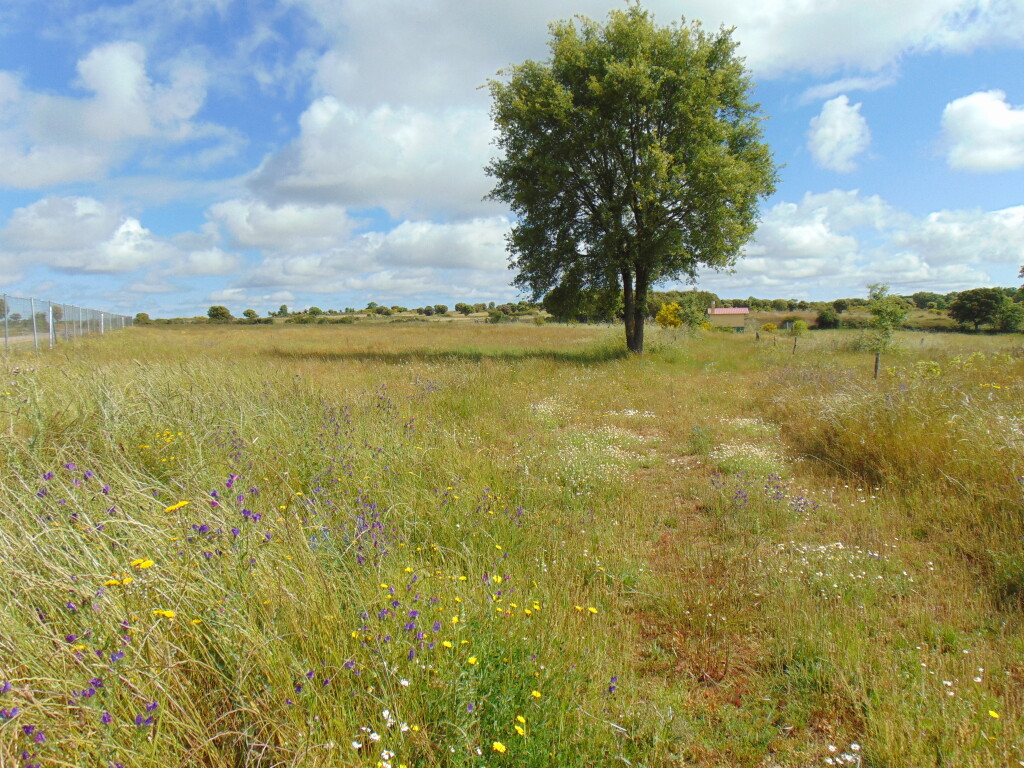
(719, 554)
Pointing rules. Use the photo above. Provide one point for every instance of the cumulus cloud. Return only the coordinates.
(961, 237)
(413, 258)
(284, 228)
(984, 133)
(85, 235)
(838, 135)
(47, 139)
(402, 159)
(378, 50)
(837, 242)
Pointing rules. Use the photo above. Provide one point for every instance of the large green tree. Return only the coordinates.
(977, 306)
(633, 155)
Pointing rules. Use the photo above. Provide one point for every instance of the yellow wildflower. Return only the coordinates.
(535, 694)
(179, 505)
(142, 564)
(472, 659)
(498, 747)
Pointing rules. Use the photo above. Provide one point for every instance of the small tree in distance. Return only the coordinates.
(219, 314)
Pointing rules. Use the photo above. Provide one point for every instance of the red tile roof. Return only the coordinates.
(729, 311)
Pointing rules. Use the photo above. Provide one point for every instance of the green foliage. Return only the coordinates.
(929, 300)
(701, 299)
(827, 318)
(314, 311)
(464, 309)
(887, 314)
(981, 306)
(799, 328)
(250, 314)
(219, 314)
(440, 309)
(571, 302)
(769, 327)
(142, 318)
(1010, 318)
(633, 155)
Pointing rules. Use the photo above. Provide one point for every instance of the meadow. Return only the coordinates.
(474, 545)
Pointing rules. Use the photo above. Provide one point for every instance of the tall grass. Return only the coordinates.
(487, 545)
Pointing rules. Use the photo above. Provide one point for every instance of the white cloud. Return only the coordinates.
(837, 242)
(47, 139)
(984, 132)
(963, 237)
(211, 261)
(61, 223)
(284, 228)
(838, 135)
(847, 84)
(379, 51)
(228, 294)
(402, 159)
(85, 235)
(413, 258)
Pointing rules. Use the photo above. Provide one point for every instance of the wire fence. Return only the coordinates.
(41, 322)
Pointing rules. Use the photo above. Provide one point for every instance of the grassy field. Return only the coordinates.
(470, 545)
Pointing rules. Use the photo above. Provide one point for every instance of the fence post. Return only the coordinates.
(35, 329)
(7, 311)
(101, 323)
(49, 323)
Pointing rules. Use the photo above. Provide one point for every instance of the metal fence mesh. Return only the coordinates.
(47, 323)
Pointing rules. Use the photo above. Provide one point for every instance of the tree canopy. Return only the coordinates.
(632, 156)
(979, 305)
(219, 314)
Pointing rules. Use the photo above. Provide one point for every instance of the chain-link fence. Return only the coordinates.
(46, 323)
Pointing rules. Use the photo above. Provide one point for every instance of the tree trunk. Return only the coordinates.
(628, 305)
(635, 299)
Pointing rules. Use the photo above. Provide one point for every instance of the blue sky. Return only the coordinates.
(166, 155)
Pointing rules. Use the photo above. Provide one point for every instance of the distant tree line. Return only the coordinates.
(996, 309)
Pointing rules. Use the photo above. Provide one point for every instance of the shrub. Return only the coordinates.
(827, 318)
(669, 316)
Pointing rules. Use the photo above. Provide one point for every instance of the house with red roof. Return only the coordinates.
(728, 317)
